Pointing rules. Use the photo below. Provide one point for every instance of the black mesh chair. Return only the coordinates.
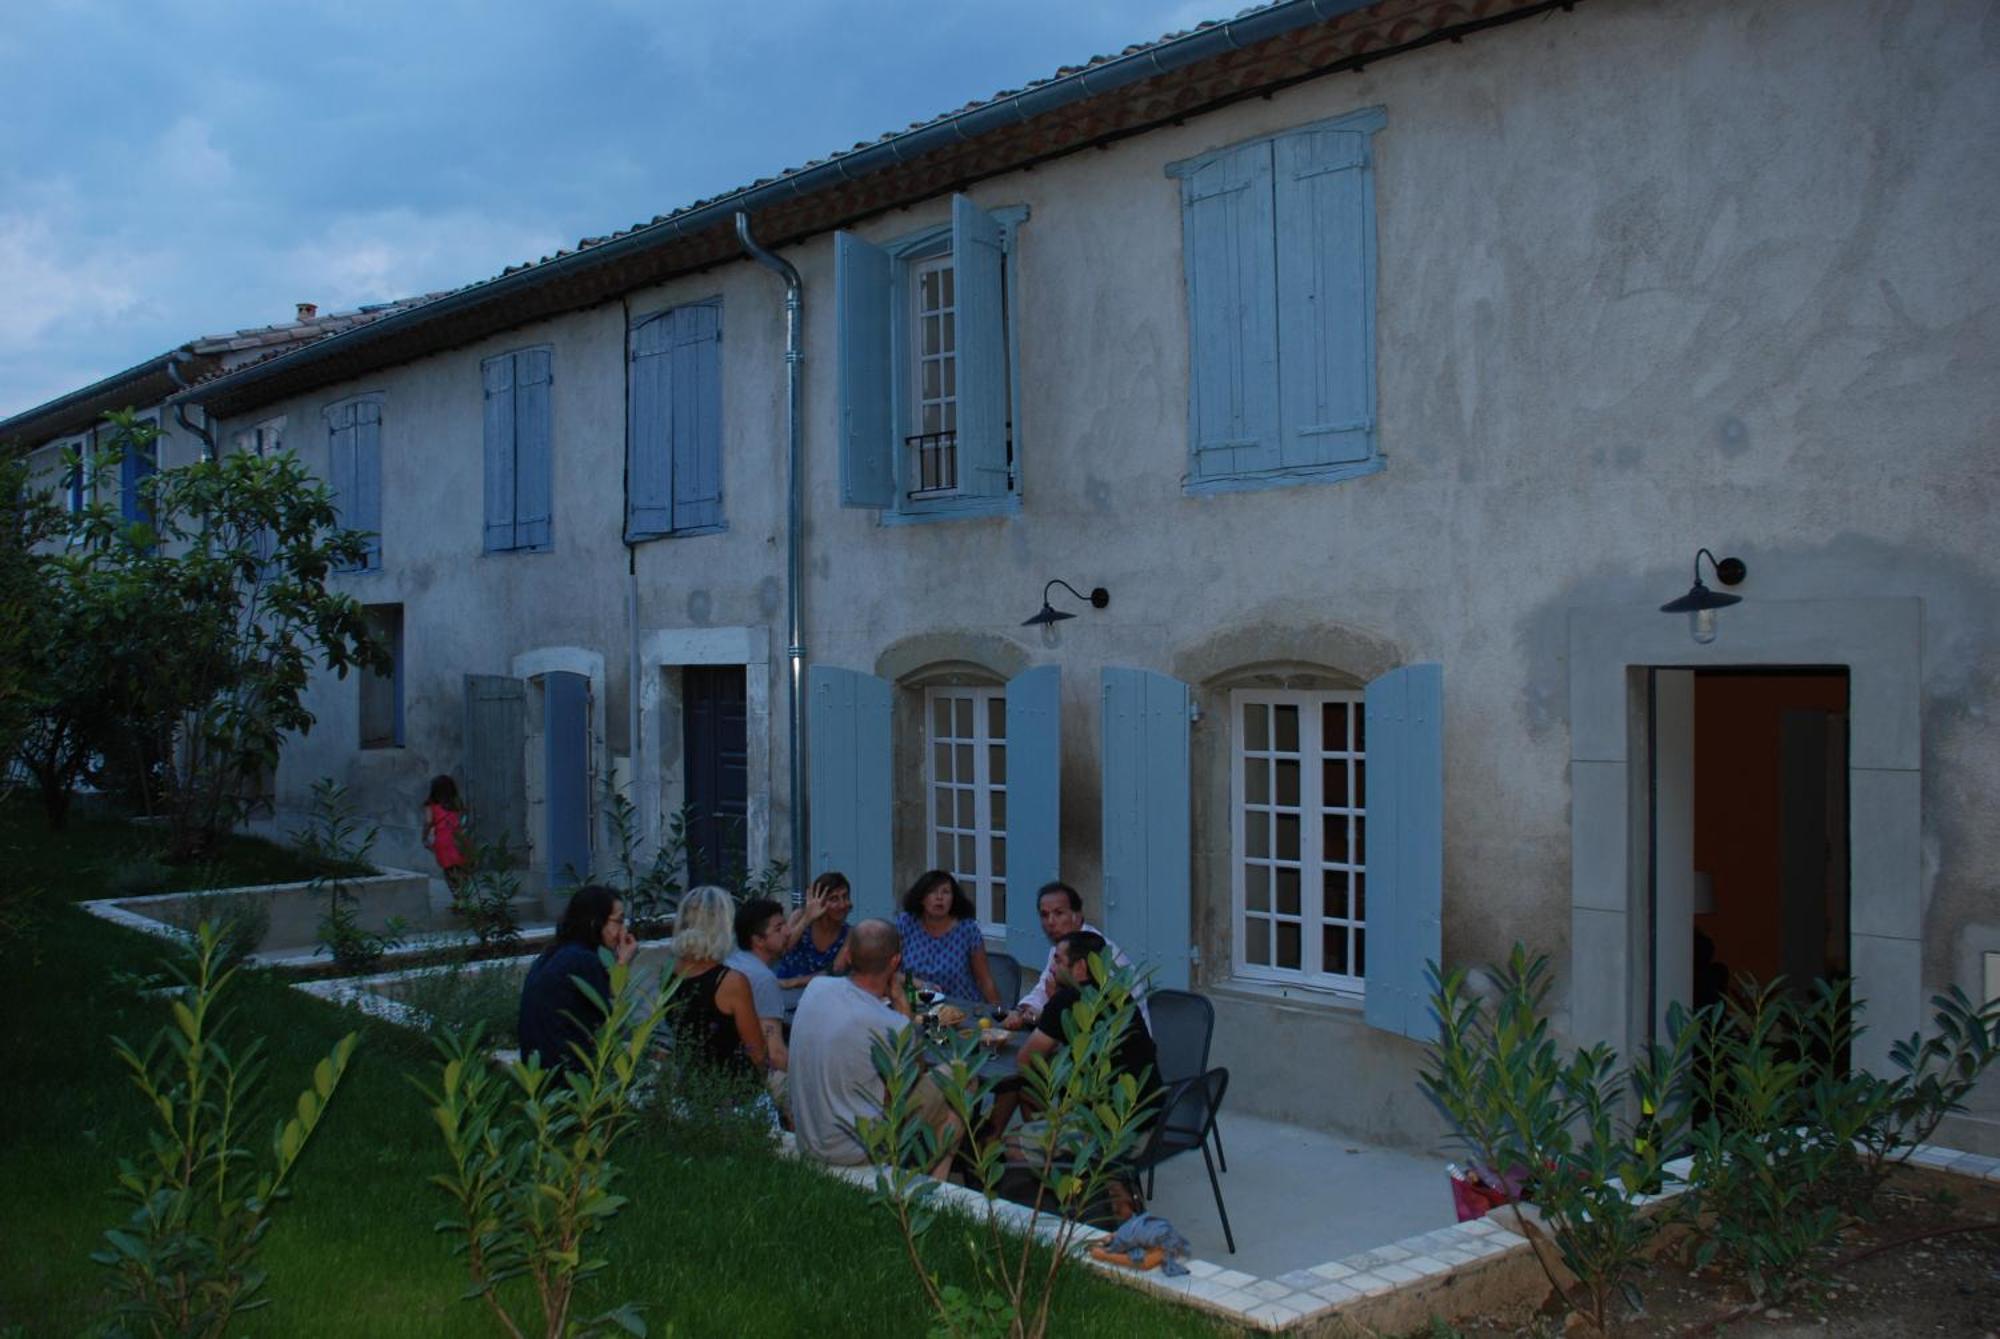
(1186, 1122)
(1006, 977)
(1183, 1025)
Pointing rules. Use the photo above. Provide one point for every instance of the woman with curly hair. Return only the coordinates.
(942, 943)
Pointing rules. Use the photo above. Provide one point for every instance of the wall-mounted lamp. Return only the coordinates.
(1700, 603)
(1098, 597)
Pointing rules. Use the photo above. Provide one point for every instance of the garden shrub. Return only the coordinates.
(241, 919)
(185, 1260)
(485, 897)
(335, 837)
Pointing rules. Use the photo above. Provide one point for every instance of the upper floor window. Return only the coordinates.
(518, 434)
(354, 470)
(1279, 241)
(1298, 840)
(926, 351)
(673, 442)
(965, 779)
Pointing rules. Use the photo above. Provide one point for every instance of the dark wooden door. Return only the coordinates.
(718, 776)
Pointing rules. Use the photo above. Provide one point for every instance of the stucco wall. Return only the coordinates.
(1651, 276)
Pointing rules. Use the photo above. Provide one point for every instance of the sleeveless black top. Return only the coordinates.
(703, 1034)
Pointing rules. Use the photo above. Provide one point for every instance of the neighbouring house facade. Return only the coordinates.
(1387, 365)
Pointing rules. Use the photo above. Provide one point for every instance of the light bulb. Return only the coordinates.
(1701, 625)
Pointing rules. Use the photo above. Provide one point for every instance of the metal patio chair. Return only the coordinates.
(1006, 977)
(1183, 1026)
(1187, 1121)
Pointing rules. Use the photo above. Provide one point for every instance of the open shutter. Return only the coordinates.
(566, 777)
(533, 432)
(1034, 802)
(1405, 798)
(976, 254)
(1326, 319)
(340, 463)
(861, 288)
(1232, 322)
(368, 477)
(497, 375)
(697, 416)
(848, 757)
(1147, 909)
(495, 791)
(649, 461)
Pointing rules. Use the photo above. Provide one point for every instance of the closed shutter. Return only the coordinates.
(533, 466)
(566, 777)
(136, 466)
(977, 252)
(1326, 319)
(849, 778)
(368, 477)
(340, 463)
(497, 376)
(1147, 906)
(496, 793)
(867, 422)
(649, 460)
(1405, 721)
(697, 416)
(1232, 322)
(1034, 801)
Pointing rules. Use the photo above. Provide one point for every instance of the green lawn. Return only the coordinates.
(716, 1242)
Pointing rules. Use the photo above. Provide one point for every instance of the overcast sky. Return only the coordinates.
(172, 169)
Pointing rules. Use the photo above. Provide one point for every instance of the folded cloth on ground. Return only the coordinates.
(1144, 1230)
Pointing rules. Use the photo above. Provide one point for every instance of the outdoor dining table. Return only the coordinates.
(1000, 1062)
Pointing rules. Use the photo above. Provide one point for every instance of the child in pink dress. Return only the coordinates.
(443, 817)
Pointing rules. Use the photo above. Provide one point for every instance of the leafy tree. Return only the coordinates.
(29, 521)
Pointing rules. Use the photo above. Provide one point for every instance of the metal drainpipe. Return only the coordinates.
(794, 540)
(174, 360)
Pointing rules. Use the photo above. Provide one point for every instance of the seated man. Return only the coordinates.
(760, 938)
(1133, 1053)
(1061, 910)
(833, 1079)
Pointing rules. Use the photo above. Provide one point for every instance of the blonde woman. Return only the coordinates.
(713, 1017)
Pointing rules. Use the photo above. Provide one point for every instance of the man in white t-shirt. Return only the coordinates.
(833, 1079)
(1061, 909)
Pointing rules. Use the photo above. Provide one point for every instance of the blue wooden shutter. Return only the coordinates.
(848, 774)
(1232, 320)
(340, 463)
(1404, 720)
(368, 477)
(533, 457)
(697, 416)
(649, 460)
(977, 251)
(861, 275)
(566, 777)
(1147, 909)
(497, 377)
(137, 465)
(1034, 802)
(496, 794)
(1326, 290)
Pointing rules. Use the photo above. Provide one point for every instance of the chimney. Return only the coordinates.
(308, 310)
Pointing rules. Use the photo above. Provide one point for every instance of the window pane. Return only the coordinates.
(996, 717)
(1291, 945)
(1333, 950)
(1360, 799)
(996, 765)
(964, 705)
(927, 290)
(1359, 885)
(1360, 955)
(1256, 888)
(964, 762)
(1333, 783)
(965, 808)
(1256, 781)
(1288, 781)
(1288, 728)
(997, 802)
(933, 381)
(941, 762)
(1288, 891)
(944, 806)
(1333, 894)
(933, 419)
(950, 416)
(1333, 727)
(948, 276)
(999, 857)
(1256, 726)
(1257, 834)
(931, 336)
(1288, 836)
(1333, 839)
(1360, 731)
(968, 857)
(1257, 941)
(1360, 842)
(1000, 901)
(941, 715)
(950, 333)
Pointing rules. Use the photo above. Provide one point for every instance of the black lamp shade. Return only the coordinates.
(1700, 597)
(1049, 614)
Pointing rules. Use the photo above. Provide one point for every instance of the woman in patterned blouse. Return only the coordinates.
(942, 945)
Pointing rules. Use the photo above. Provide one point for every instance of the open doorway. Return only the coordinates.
(1749, 829)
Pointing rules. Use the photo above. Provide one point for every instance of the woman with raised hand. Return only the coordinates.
(816, 935)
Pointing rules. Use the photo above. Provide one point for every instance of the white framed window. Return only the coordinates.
(933, 374)
(1298, 837)
(965, 788)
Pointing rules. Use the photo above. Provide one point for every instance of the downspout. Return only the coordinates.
(174, 360)
(634, 736)
(794, 541)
